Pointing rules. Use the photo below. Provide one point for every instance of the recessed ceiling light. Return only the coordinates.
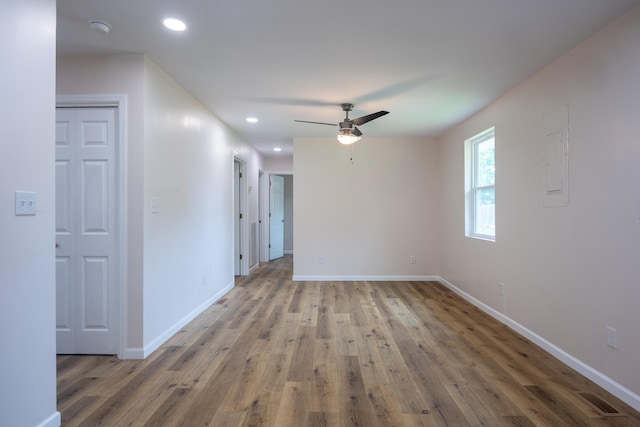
(99, 25)
(277, 149)
(174, 24)
(252, 120)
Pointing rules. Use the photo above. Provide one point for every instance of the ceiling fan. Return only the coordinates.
(349, 133)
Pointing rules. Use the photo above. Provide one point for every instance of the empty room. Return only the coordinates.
(356, 213)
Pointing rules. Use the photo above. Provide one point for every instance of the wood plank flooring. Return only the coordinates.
(274, 352)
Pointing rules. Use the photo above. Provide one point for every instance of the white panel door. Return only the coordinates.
(276, 217)
(86, 295)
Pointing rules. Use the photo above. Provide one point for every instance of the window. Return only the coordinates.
(480, 174)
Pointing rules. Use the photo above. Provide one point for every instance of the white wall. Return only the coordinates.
(367, 218)
(189, 167)
(569, 271)
(27, 254)
(180, 259)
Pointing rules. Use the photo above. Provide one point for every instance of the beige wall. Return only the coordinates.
(119, 74)
(288, 213)
(366, 217)
(569, 271)
(276, 164)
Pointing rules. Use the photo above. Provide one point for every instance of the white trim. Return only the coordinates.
(143, 353)
(118, 101)
(471, 184)
(288, 251)
(254, 268)
(263, 200)
(132, 353)
(244, 209)
(53, 420)
(613, 387)
(311, 278)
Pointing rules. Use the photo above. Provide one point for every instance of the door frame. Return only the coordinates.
(119, 102)
(264, 179)
(263, 201)
(271, 210)
(244, 223)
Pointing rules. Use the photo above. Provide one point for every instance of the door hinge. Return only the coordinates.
(240, 216)
(240, 256)
(269, 245)
(240, 173)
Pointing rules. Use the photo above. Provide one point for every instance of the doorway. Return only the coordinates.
(90, 225)
(276, 217)
(240, 222)
(282, 222)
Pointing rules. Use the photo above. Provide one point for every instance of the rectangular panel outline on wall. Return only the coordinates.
(555, 156)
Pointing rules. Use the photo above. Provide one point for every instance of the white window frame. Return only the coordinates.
(471, 186)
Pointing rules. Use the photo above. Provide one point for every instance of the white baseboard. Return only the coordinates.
(347, 278)
(53, 420)
(143, 353)
(288, 251)
(621, 392)
(132, 353)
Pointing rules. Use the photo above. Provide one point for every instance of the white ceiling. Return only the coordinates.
(431, 63)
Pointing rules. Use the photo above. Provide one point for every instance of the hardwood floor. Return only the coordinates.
(274, 352)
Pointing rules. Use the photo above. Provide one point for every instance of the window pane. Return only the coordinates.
(485, 212)
(486, 165)
(480, 182)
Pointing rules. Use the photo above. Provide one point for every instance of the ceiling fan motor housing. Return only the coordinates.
(346, 125)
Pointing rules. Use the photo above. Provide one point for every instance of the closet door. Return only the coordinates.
(86, 297)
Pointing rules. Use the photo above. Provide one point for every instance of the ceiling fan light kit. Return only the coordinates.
(349, 133)
(347, 138)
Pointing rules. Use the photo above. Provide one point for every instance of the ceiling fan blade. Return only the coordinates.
(356, 131)
(316, 123)
(364, 119)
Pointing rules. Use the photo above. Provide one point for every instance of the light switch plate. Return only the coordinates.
(25, 203)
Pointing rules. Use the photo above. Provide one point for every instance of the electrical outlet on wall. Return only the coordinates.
(412, 259)
(501, 289)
